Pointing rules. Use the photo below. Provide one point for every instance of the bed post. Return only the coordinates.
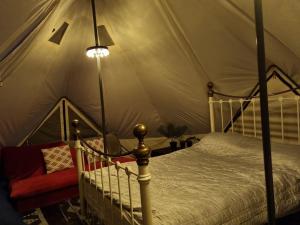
(142, 154)
(210, 86)
(75, 124)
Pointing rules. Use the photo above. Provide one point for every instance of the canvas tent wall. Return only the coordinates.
(57, 125)
(165, 52)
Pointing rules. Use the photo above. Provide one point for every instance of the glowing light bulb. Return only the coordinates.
(97, 51)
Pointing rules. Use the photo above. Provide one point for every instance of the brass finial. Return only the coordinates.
(210, 86)
(75, 124)
(140, 131)
(141, 152)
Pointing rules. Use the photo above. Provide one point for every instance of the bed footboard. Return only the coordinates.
(96, 171)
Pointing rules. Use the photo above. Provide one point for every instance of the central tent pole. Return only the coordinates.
(102, 103)
(100, 77)
(264, 111)
(95, 22)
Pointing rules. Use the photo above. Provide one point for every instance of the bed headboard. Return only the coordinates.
(241, 114)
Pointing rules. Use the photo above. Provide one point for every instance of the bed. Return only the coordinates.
(220, 180)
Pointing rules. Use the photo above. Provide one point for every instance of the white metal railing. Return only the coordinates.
(286, 112)
(91, 166)
(94, 173)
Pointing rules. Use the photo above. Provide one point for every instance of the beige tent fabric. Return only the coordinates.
(164, 54)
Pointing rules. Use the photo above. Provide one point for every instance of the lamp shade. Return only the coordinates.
(104, 37)
(102, 49)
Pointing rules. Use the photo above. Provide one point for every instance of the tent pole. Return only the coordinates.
(95, 22)
(102, 104)
(264, 111)
(99, 76)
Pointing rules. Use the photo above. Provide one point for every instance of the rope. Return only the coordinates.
(250, 97)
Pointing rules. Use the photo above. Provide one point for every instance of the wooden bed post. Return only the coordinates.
(210, 86)
(77, 146)
(142, 154)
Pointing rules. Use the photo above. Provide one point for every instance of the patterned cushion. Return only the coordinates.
(57, 158)
(96, 143)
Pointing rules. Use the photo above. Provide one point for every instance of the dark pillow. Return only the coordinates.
(26, 161)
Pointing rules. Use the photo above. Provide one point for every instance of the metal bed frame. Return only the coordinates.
(88, 158)
(142, 153)
(252, 107)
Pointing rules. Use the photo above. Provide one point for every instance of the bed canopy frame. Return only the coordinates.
(95, 158)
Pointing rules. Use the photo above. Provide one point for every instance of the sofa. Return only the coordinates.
(29, 184)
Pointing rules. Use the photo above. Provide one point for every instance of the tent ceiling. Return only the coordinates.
(164, 54)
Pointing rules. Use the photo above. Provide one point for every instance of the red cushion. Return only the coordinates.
(73, 154)
(42, 184)
(26, 161)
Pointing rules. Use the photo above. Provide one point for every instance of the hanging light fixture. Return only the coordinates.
(101, 34)
(99, 51)
(105, 40)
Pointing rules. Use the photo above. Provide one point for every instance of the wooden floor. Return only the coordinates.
(63, 213)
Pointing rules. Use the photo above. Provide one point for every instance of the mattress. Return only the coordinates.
(219, 180)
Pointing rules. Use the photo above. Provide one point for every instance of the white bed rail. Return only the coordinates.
(284, 115)
(91, 168)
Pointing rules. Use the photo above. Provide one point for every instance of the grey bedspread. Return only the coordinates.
(218, 181)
